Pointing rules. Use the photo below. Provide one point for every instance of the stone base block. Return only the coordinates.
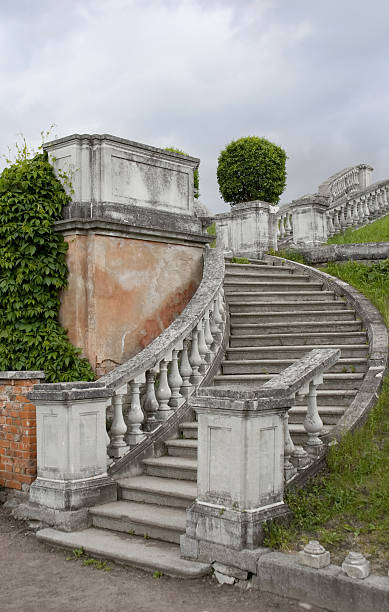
(63, 520)
(231, 528)
(73, 495)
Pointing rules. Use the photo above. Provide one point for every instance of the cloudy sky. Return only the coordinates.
(309, 75)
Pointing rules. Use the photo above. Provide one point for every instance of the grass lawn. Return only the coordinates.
(347, 506)
(378, 231)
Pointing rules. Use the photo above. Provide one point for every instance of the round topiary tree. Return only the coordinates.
(251, 168)
(195, 174)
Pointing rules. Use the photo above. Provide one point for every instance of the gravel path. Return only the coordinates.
(36, 578)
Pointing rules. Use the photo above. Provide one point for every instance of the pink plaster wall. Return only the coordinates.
(122, 293)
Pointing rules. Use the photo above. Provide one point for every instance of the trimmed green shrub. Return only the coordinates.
(251, 168)
(195, 174)
(32, 272)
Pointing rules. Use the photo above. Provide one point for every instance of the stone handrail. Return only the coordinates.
(149, 388)
(302, 378)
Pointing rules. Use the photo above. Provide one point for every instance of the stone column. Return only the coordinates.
(72, 460)
(240, 468)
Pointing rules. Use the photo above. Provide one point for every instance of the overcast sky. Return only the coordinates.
(309, 75)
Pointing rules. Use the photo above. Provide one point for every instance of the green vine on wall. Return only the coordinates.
(33, 270)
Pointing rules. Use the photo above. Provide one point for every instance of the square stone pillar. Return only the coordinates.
(71, 453)
(249, 230)
(309, 223)
(240, 468)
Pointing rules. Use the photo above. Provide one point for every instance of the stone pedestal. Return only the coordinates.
(309, 221)
(249, 230)
(72, 453)
(240, 468)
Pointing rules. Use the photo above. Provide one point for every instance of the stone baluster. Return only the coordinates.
(163, 392)
(208, 335)
(349, 217)
(222, 309)
(118, 447)
(195, 359)
(282, 227)
(150, 403)
(175, 380)
(108, 443)
(361, 212)
(342, 218)
(278, 228)
(185, 370)
(374, 210)
(288, 224)
(337, 226)
(313, 423)
(289, 448)
(203, 348)
(355, 212)
(366, 209)
(216, 316)
(135, 416)
(381, 204)
(385, 195)
(330, 224)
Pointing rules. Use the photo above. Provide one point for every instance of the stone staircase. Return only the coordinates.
(276, 316)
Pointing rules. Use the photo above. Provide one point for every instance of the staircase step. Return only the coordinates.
(162, 491)
(182, 448)
(147, 520)
(261, 268)
(330, 381)
(285, 296)
(263, 275)
(171, 467)
(189, 430)
(291, 352)
(330, 415)
(302, 337)
(150, 555)
(299, 435)
(270, 286)
(296, 327)
(302, 312)
(349, 365)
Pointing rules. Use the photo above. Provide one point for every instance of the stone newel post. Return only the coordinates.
(309, 221)
(72, 453)
(240, 468)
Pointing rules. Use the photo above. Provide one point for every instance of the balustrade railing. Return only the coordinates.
(150, 387)
(302, 378)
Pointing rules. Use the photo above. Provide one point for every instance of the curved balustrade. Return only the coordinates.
(345, 212)
(150, 387)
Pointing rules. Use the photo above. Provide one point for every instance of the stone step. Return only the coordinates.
(262, 274)
(182, 448)
(255, 262)
(330, 381)
(299, 435)
(289, 339)
(162, 491)
(292, 352)
(233, 284)
(263, 268)
(150, 555)
(349, 365)
(171, 467)
(330, 415)
(189, 430)
(147, 520)
(313, 327)
(332, 313)
(250, 301)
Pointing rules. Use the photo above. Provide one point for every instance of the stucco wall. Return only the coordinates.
(123, 292)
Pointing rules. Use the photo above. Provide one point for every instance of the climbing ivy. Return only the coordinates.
(32, 272)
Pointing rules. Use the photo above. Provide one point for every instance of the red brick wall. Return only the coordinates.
(17, 430)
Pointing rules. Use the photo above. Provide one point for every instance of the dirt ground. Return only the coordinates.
(36, 578)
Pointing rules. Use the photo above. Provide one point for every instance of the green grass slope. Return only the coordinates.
(378, 231)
